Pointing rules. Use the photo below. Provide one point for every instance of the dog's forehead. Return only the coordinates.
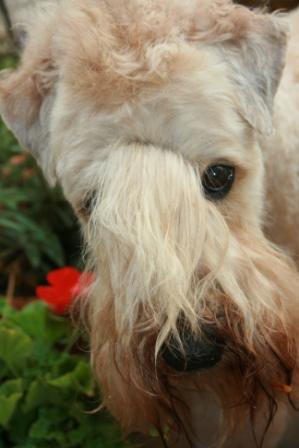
(193, 113)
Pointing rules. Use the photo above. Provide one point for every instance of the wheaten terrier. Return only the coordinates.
(158, 119)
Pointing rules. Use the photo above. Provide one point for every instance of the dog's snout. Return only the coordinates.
(195, 352)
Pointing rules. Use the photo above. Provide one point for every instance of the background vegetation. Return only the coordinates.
(46, 391)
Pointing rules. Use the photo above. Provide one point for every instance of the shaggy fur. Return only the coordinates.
(125, 104)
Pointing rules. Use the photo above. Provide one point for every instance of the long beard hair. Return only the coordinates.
(160, 251)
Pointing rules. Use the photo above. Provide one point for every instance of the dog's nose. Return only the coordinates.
(198, 353)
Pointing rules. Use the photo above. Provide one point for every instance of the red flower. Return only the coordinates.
(65, 285)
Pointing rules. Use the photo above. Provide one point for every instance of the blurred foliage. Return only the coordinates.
(38, 230)
(47, 391)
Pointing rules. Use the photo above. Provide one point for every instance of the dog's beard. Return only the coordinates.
(160, 251)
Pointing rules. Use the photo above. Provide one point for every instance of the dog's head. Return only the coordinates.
(148, 114)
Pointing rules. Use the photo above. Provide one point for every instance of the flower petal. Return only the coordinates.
(65, 285)
(58, 300)
(66, 277)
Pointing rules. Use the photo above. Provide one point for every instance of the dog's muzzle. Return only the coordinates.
(194, 353)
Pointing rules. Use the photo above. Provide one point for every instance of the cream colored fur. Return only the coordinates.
(125, 104)
(281, 154)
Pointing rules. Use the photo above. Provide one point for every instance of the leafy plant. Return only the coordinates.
(46, 389)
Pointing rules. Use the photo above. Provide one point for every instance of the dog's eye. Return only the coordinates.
(87, 205)
(217, 181)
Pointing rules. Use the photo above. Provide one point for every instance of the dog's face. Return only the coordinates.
(148, 116)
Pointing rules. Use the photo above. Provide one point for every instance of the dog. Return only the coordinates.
(172, 127)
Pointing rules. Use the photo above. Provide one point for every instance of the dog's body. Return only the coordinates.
(156, 118)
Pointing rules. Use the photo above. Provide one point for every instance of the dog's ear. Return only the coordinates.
(256, 61)
(26, 94)
(25, 97)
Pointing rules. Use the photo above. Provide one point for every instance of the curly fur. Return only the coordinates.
(125, 105)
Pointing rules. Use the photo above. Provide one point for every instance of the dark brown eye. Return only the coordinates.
(217, 181)
(87, 205)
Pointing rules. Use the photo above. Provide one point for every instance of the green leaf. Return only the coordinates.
(3, 303)
(15, 347)
(33, 237)
(36, 395)
(31, 319)
(78, 379)
(47, 426)
(7, 407)
(10, 393)
(40, 394)
(12, 197)
(84, 378)
(10, 387)
(97, 431)
(37, 321)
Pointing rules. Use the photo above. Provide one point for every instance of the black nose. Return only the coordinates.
(199, 352)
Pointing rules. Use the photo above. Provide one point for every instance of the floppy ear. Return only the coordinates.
(256, 61)
(26, 95)
(25, 104)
